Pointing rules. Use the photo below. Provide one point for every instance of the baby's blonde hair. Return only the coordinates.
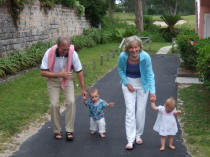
(170, 104)
(130, 40)
(93, 90)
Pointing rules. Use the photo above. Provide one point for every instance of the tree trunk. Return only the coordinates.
(139, 15)
(172, 9)
(111, 6)
(175, 9)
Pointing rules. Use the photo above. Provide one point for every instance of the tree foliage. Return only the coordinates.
(16, 6)
(95, 10)
(170, 20)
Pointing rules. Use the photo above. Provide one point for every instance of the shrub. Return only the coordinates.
(95, 10)
(154, 35)
(169, 32)
(118, 29)
(22, 60)
(106, 36)
(188, 51)
(94, 33)
(82, 41)
(148, 21)
(72, 4)
(203, 62)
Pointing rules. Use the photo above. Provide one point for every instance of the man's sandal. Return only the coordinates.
(69, 136)
(58, 136)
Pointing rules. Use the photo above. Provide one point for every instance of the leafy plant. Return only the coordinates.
(171, 20)
(2, 1)
(95, 10)
(203, 61)
(16, 6)
(188, 50)
(21, 60)
(94, 34)
(47, 4)
(169, 32)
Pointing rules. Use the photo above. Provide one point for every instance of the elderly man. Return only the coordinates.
(57, 65)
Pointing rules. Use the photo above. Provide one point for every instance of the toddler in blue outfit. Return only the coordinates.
(96, 112)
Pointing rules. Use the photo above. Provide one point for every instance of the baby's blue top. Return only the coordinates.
(96, 109)
(145, 65)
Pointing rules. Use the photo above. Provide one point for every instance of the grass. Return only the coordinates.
(190, 19)
(157, 45)
(131, 17)
(124, 16)
(195, 119)
(88, 55)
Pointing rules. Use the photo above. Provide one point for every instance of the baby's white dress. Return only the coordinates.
(166, 122)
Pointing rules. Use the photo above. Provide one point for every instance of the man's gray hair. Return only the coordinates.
(62, 40)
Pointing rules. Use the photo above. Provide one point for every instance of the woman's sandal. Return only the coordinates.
(58, 136)
(102, 136)
(139, 141)
(129, 146)
(69, 136)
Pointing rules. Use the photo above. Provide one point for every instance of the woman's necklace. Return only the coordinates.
(132, 60)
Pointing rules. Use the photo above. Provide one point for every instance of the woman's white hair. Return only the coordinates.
(130, 40)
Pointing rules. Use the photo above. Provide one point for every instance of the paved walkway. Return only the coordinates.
(42, 144)
(164, 50)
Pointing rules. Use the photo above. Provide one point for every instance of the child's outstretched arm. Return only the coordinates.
(111, 104)
(154, 106)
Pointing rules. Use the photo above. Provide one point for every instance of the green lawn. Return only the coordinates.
(131, 17)
(157, 45)
(195, 119)
(124, 16)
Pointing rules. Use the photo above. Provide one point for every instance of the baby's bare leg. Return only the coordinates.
(170, 142)
(162, 141)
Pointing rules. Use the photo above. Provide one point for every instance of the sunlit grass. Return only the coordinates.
(157, 45)
(124, 16)
(195, 119)
(190, 19)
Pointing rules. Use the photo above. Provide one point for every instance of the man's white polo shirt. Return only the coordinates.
(60, 62)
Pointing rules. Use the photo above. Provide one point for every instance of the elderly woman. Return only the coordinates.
(137, 78)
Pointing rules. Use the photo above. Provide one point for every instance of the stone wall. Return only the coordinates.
(36, 25)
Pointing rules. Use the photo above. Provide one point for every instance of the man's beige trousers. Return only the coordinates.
(54, 88)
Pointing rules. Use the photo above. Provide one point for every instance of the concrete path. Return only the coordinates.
(42, 144)
(164, 50)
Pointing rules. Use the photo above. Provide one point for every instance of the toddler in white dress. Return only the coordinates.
(166, 124)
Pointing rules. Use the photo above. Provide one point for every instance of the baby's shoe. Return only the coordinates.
(92, 132)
